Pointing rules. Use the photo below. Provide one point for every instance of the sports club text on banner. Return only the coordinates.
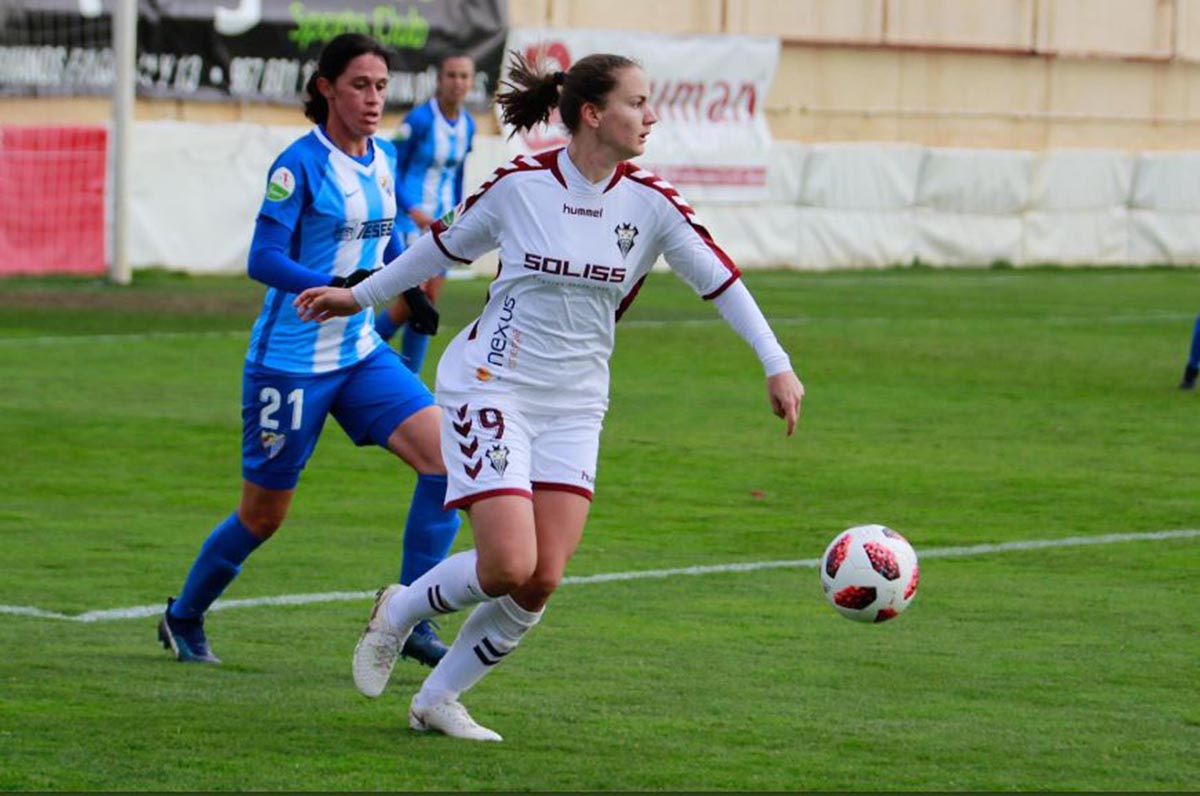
(712, 140)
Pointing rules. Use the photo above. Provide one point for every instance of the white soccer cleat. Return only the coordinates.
(378, 646)
(449, 718)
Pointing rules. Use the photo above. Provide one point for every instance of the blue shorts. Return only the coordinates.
(283, 413)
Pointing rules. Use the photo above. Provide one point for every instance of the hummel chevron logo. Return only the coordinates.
(462, 412)
(463, 429)
(474, 471)
(437, 602)
(469, 450)
(487, 653)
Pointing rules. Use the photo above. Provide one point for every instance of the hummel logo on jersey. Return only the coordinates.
(364, 230)
(625, 235)
(593, 271)
(584, 211)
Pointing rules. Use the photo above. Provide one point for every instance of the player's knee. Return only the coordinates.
(263, 523)
(540, 586)
(505, 575)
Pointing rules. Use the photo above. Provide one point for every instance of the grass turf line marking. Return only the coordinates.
(143, 611)
(633, 323)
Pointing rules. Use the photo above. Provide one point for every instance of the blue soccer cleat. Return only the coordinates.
(423, 645)
(1188, 382)
(185, 638)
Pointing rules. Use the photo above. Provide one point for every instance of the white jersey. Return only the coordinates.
(573, 255)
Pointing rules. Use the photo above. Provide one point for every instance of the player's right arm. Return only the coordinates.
(286, 197)
(467, 232)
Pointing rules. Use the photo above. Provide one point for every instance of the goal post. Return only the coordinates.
(125, 15)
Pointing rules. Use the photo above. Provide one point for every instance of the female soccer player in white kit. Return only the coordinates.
(524, 388)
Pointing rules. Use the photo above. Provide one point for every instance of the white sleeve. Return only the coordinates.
(740, 311)
(463, 235)
(413, 266)
(693, 255)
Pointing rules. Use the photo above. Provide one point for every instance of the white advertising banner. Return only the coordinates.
(711, 141)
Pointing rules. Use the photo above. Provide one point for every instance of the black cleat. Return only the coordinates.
(185, 638)
(423, 645)
(1188, 382)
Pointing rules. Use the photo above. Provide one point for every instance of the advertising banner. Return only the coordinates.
(242, 50)
(711, 141)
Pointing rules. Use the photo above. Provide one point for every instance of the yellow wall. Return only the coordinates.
(992, 73)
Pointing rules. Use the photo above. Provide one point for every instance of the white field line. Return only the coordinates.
(143, 611)
(1053, 320)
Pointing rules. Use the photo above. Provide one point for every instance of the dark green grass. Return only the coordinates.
(958, 406)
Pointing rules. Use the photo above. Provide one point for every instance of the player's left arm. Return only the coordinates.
(691, 252)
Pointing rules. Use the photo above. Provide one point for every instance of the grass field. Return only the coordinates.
(959, 407)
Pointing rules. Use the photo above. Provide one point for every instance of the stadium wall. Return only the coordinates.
(1012, 74)
(197, 187)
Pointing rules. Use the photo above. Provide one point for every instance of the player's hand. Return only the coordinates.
(422, 316)
(422, 219)
(350, 281)
(322, 303)
(786, 391)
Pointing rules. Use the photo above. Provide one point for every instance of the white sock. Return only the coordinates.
(450, 586)
(490, 633)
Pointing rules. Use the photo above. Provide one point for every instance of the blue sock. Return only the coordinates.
(218, 563)
(430, 529)
(385, 326)
(1194, 354)
(412, 349)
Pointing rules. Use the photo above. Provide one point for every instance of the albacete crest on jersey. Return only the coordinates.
(625, 235)
(498, 456)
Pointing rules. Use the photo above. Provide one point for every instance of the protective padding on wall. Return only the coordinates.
(981, 181)
(1079, 237)
(861, 176)
(854, 238)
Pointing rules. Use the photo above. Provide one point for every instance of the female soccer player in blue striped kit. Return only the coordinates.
(432, 146)
(327, 219)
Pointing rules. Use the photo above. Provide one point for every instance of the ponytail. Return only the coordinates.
(532, 94)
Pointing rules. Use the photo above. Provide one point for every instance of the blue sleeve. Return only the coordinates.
(287, 187)
(270, 264)
(395, 245)
(406, 140)
(462, 167)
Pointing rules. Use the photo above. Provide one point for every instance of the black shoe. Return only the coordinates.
(423, 645)
(1188, 382)
(185, 638)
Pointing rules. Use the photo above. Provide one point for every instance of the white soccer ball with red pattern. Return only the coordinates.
(869, 573)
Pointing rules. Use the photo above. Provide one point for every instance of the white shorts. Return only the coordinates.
(492, 449)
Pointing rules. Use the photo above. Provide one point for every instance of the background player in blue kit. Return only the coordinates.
(432, 145)
(1192, 369)
(327, 219)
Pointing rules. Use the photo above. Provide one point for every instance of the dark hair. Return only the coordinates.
(441, 64)
(531, 94)
(334, 58)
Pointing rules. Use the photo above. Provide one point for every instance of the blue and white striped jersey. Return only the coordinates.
(341, 213)
(431, 153)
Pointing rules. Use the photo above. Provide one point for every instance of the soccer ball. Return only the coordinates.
(869, 573)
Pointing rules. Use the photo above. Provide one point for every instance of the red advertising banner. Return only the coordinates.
(52, 200)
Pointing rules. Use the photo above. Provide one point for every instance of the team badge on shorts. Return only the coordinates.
(498, 456)
(625, 235)
(273, 443)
